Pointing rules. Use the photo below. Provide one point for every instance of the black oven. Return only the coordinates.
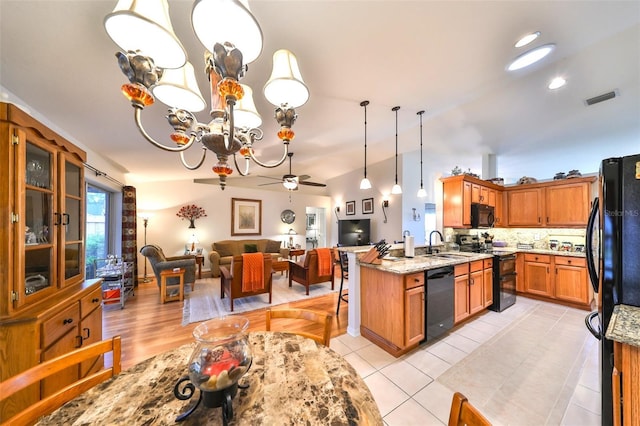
(482, 216)
(504, 281)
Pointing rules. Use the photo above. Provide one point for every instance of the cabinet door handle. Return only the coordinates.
(67, 321)
(95, 300)
(547, 269)
(58, 219)
(87, 331)
(556, 271)
(66, 218)
(78, 341)
(539, 219)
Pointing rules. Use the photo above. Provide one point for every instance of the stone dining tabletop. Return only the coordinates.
(293, 380)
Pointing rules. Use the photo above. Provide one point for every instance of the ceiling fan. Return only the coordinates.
(291, 181)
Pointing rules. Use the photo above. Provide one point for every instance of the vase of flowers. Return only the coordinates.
(191, 213)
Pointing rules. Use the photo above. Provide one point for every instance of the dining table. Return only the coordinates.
(292, 380)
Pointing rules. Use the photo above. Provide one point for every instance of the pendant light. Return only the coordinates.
(396, 188)
(364, 183)
(421, 192)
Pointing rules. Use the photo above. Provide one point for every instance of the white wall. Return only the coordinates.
(164, 199)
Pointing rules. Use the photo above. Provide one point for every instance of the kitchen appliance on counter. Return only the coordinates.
(612, 250)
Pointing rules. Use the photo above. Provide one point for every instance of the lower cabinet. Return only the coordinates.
(558, 278)
(625, 383)
(398, 326)
(71, 321)
(473, 288)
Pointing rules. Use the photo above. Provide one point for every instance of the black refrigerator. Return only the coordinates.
(613, 253)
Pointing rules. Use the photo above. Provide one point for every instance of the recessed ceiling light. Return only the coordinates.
(557, 83)
(527, 39)
(531, 56)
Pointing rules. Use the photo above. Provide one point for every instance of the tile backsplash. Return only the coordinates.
(539, 237)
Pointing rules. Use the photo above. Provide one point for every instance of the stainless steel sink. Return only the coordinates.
(450, 256)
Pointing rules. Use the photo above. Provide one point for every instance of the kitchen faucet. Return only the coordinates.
(430, 235)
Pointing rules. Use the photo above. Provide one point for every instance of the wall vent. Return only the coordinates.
(601, 98)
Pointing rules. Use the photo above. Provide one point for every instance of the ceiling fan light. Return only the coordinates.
(530, 57)
(422, 193)
(178, 88)
(365, 184)
(396, 189)
(219, 21)
(290, 184)
(146, 26)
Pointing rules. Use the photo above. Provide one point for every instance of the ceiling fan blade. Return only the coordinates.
(210, 181)
(271, 177)
(304, 177)
(306, 182)
(270, 183)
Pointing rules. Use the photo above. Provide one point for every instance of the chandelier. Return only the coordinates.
(155, 62)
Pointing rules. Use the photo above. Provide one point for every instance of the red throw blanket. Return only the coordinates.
(324, 261)
(252, 271)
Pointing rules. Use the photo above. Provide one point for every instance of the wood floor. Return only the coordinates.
(148, 327)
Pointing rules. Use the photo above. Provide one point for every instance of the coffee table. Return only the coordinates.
(295, 253)
(280, 265)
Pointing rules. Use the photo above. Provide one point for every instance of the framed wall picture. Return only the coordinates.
(367, 206)
(351, 208)
(246, 216)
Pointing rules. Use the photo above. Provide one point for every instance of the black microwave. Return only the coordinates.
(482, 216)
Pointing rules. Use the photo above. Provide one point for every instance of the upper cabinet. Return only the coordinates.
(556, 204)
(43, 203)
(459, 192)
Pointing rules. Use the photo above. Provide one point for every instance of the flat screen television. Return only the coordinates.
(355, 232)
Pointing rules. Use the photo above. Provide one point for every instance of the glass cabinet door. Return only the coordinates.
(72, 214)
(37, 223)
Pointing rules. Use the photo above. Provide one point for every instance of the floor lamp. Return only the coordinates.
(145, 220)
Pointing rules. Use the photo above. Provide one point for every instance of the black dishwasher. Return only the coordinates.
(439, 304)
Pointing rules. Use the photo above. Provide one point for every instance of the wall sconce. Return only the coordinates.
(336, 211)
(415, 215)
(385, 205)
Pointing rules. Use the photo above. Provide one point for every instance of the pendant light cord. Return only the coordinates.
(396, 108)
(364, 104)
(420, 114)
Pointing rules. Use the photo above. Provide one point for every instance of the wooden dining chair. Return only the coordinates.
(463, 413)
(43, 370)
(321, 319)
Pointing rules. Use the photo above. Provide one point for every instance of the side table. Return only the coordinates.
(199, 262)
(164, 297)
(295, 253)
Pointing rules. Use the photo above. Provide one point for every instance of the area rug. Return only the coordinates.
(533, 364)
(204, 302)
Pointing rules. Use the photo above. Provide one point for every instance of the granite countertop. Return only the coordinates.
(403, 265)
(624, 326)
(292, 380)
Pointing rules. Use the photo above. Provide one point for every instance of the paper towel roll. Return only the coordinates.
(409, 247)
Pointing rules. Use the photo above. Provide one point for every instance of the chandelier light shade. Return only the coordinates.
(286, 85)
(217, 21)
(396, 189)
(365, 183)
(178, 88)
(156, 65)
(146, 26)
(421, 192)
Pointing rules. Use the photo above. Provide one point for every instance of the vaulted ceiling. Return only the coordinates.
(446, 57)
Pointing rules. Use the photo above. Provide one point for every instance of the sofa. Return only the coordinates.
(223, 251)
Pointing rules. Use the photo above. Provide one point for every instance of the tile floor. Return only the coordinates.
(410, 390)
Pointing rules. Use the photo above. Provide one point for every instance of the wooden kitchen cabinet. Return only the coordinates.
(625, 383)
(471, 292)
(568, 205)
(537, 274)
(571, 279)
(487, 282)
(399, 326)
(525, 207)
(458, 194)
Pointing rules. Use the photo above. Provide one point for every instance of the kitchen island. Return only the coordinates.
(387, 300)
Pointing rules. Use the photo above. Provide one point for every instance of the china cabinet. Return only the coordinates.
(47, 308)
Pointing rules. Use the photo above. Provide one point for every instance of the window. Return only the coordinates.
(97, 226)
(429, 218)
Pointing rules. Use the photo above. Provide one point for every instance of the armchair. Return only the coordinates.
(231, 280)
(159, 262)
(306, 272)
